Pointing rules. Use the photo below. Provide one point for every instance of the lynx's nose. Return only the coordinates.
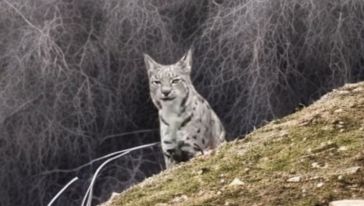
(166, 91)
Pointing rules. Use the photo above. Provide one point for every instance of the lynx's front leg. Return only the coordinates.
(169, 162)
(168, 140)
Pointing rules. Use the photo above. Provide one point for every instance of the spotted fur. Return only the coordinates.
(188, 125)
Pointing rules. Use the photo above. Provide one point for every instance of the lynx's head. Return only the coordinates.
(169, 82)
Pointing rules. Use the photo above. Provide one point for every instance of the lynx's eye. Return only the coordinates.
(176, 81)
(156, 82)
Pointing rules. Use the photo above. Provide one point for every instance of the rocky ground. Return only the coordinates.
(311, 157)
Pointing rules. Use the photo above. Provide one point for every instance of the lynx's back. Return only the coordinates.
(188, 125)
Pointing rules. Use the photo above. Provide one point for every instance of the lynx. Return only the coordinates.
(188, 125)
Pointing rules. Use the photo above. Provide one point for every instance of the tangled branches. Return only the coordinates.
(275, 55)
(72, 77)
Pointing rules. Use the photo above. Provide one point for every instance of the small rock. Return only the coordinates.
(180, 199)
(236, 182)
(359, 89)
(327, 128)
(315, 178)
(304, 122)
(347, 203)
(295, 179)
(343, 92)
(304, 192)
(320, 184)
(338, 111)
(354, 186)
(343, 149)
(201, 192)
(340, 126)
(265, 158)
(340, 177)
(315, 165)
(324, 146)
(352, 170)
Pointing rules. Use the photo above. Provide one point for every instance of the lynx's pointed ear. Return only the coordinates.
(150, 64)
(186, 61)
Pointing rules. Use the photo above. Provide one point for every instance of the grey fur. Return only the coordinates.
(188, 125)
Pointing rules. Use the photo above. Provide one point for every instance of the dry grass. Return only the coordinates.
(311, 157)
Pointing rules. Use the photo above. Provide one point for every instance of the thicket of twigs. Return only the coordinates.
(73, 82)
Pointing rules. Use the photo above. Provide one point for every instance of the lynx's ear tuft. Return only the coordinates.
(150, 64)
(186, 61)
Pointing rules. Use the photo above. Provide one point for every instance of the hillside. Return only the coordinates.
(311, 157)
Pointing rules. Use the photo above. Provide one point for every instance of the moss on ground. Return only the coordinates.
(308, 158)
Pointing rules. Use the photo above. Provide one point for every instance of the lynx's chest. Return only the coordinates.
(185, 123)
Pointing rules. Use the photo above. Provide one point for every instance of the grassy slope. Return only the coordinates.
(320, 145)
